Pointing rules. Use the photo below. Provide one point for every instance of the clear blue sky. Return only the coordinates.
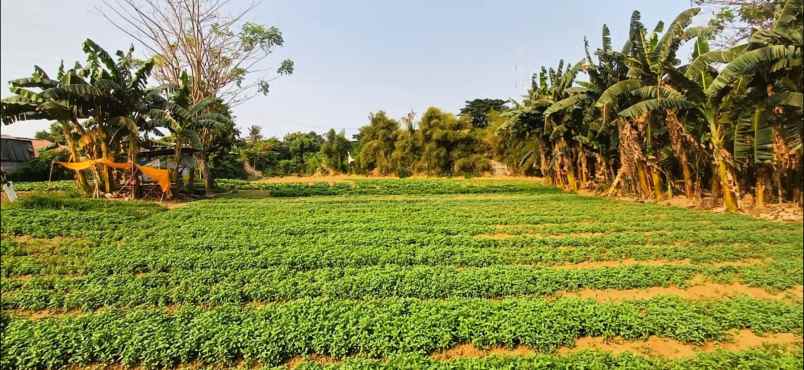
(354, 57)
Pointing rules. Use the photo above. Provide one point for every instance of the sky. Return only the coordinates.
(354, 57)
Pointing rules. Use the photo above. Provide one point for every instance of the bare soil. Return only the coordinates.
(653, 346)
(698, 291)
(494, 236)
(313, 358)
(632, 262)
(786, 212)
(667, 348)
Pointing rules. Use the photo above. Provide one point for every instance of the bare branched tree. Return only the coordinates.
(197, 36)
(734, 21)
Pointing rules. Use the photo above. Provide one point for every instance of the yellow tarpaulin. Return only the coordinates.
(119, 166)
(77, 166)
(162, 177)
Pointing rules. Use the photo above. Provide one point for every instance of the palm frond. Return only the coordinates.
(789, 98)
(753, 138)
(700, 67)
(610, 95)
(93, 50)
(748, 62)
(671, 40)
(653, 91)
(652, 105)
(562, 105)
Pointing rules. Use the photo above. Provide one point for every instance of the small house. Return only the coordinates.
(15, 152)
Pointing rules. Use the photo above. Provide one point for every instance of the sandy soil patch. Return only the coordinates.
(536, 235)
(740, 263)
(46, 313)
(494, 236)
(313, 358)
(173, 204)
(653, 346)
(786, 212)
(45, 246)
(632, 262)
(698, 291)
(667, 348)
(468, 350)
(580, 234)
(620, 263)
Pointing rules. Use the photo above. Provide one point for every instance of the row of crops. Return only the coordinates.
(355, 186)
(373, 281)
(375, 328)
(223, 286)
(388, 187)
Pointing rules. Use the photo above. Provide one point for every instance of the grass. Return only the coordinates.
(383, 273)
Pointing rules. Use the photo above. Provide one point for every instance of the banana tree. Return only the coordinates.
(525, 121)
(118, 100)
(767, 76)
(653, 62)
(591, 130)
(100, 105)
(562, 123)
(212, 122)
(710, 110)
(177, 117)
(32, 101)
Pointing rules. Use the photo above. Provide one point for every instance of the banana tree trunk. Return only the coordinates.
(104, 170)
(761, 186)
(689, 187)
(133, 150)
(544, 165)
(656, 177)
(714, 186)
(191, 179)
(728, 183)
(777, 181)
(634, 178)
(727, 188)
(72, 147)
(204, 167)
(572, 182)
(644, 185)
(565, 171)
(725, 176)
(677, 135)
(583, 166)
(177, 177)
(616, 182)
(601, 169)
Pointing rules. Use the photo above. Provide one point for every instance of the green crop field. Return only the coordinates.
(396, 273)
